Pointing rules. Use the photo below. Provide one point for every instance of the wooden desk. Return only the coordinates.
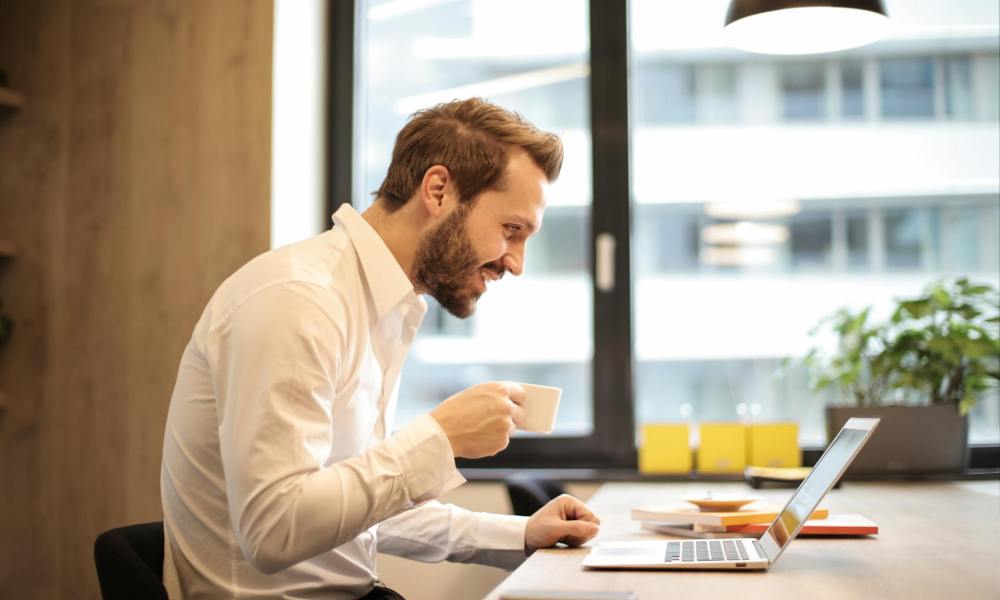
(936, 540)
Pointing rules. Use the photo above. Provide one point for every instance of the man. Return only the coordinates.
(280, 477)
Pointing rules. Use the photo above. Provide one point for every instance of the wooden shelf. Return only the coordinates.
(11, 99)
(6, 249)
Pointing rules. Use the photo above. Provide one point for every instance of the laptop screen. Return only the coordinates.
(823, 476)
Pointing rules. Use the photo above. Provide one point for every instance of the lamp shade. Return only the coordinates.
(804, 27)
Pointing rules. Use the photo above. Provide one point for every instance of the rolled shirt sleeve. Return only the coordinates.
(276, 388)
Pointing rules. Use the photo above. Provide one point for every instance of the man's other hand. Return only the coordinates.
(480, 420)
(564, 519)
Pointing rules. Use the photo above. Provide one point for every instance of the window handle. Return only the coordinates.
(604, 250)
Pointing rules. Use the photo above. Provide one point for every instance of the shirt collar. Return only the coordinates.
(387, 282)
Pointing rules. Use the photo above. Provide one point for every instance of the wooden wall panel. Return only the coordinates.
(32, 181)
(133, 182)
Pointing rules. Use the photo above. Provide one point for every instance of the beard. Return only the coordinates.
(446, 263)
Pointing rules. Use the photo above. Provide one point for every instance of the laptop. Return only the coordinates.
(743, 553)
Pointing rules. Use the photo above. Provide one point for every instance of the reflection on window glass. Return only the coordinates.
(852, 89)
(438, 322)
(907, 87)
(989, 235)
(666, 94)
(716, 86)
(961, 226)
(811, 240)
(803, 87)
(564, 228)
(537, 101)
(418, 54)
(719, 390)
(666, 239)
(904, 230)
(987, 86)
(958, 103)
(857, 240)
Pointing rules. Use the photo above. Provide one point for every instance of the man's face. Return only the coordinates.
(480, 241)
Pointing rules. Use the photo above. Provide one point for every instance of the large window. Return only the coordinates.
(537, 328)
(847, 179)
(749, 196)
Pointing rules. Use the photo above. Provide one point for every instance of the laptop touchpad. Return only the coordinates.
(625, 551)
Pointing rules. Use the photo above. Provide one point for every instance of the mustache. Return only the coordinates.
(496, 267)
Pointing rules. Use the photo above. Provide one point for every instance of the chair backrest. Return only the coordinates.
(528, 494)
(130, 562)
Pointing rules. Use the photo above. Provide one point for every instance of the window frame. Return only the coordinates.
(611, 444)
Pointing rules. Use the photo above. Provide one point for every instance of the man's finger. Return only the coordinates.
(517, 413)
(574, 509)
(582, 528)
(578, 532)
(515, 392)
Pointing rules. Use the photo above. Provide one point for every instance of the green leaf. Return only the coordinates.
(917, 308)
(977, 348)
(977, 290)
(968, 311)
(941, 297)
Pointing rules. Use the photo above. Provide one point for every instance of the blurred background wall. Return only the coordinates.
(134, 179)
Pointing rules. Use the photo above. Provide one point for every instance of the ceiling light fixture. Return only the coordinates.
(804, 26)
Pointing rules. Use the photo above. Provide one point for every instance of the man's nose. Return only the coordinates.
(513, 261)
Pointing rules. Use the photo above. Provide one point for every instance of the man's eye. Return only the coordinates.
(512, 229)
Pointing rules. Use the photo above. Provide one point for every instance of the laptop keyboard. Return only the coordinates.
(705, 551)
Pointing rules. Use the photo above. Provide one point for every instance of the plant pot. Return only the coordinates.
(909, 439)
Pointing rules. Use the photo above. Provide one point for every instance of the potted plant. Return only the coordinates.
(920, 371)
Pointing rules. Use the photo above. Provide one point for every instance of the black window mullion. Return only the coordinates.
(611, 214)
(341, 54)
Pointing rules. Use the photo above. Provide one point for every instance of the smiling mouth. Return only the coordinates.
(490, 273)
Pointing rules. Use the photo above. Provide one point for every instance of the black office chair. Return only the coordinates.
(130, 562)
(528, 494)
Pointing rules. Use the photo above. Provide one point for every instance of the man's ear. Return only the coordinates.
(434, 188)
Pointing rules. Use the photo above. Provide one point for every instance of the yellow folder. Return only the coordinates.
(774, 445)
(723, 447)
(665, 448)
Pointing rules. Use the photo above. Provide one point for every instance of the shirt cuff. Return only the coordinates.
(500, 532)
(499, 540)
(425, 454)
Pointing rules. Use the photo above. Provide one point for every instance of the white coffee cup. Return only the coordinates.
(541, 404)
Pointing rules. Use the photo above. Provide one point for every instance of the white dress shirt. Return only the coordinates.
(278, 479)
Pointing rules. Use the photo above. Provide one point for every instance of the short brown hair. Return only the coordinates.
(473, 139)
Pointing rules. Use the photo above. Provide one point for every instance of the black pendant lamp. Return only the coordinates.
(805, 26)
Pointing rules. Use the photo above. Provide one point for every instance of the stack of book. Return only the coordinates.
(750, 521)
